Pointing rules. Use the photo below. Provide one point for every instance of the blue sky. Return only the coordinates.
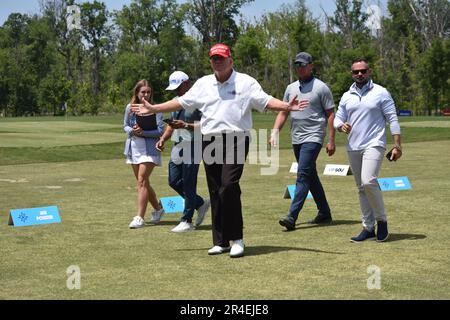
(255, 9)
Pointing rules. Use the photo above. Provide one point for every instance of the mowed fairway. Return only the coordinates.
(97, 199)
(52, 134)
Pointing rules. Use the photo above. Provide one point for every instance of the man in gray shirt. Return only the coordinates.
(308, 130)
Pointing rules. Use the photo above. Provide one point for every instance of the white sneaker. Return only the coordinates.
(202, 212)
(183, 226)
(218, 250)
(156, 216)
(237, 249)
(137, 222)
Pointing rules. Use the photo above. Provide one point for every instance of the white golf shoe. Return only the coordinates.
(183, 226)
(136, 223)
(218, 250)
(237, 249)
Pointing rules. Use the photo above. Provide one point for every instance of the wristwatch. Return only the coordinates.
(186, 125)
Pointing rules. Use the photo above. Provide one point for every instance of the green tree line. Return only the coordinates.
(81, 58)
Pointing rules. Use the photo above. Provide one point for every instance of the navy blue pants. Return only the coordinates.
(307, 179)
(183, 179)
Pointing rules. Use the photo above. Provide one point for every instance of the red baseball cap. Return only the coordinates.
(220, 50)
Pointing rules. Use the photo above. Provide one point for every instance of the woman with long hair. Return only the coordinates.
(143, 134)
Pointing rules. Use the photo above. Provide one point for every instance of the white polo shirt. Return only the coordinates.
(225, 107)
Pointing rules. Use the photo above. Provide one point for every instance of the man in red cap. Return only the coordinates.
(226, 99)
(220, 50)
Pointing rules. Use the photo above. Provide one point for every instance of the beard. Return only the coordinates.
(361, 81)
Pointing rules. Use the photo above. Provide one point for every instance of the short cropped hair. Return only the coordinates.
(361, 60)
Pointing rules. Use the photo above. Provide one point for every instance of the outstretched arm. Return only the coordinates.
(147, 108)
(293, 105)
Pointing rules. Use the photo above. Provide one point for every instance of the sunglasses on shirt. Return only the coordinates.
(363, 71)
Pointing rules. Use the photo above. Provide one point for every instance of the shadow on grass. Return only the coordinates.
(204, 227)
(405, 236)
(162, 223)
(175, 223)
(259, 250)
(306, 225)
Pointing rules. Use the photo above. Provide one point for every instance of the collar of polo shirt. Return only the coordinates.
(231, 79)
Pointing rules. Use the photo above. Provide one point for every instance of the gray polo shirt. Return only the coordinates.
(310, 124)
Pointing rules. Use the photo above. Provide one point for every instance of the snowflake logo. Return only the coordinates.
(171, 204)
(23, 217)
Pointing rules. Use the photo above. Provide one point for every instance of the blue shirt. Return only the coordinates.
(151, 137)
(189, 117)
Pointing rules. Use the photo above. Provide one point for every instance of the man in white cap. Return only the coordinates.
(183, 174)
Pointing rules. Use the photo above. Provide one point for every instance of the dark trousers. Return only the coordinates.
(225, 192)
(183, 179)
(308, 180)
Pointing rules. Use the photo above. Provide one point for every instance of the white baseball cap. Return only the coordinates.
(177, 78)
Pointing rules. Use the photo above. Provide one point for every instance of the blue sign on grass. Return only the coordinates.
(396, 183)
(290, 192)
(34, 216)
(407, 113)
(173, 204)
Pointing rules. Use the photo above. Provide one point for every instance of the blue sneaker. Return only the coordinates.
(364, 235)
(382, 231)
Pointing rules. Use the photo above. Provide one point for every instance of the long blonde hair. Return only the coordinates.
(137, 88)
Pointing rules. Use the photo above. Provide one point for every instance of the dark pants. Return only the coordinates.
(225, 192)
(183, 179)
(307, 179)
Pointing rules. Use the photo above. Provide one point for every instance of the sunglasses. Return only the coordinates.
(300, 64)
(363, 71)
(217, 58)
